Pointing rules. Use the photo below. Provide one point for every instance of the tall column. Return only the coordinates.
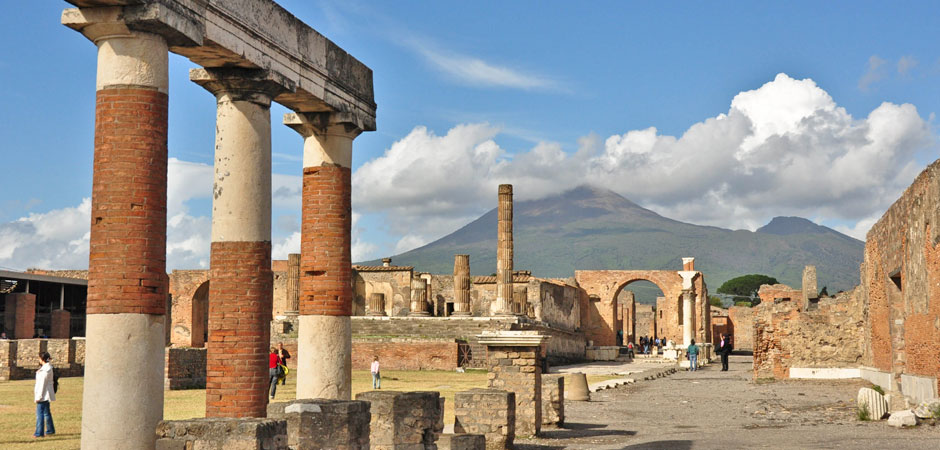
(687, 313)
(324, 343)
(293, 283)
(127, 282)
(241, 281)
(461, 285)
(503, 302)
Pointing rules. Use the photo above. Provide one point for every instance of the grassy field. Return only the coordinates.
(18, 412)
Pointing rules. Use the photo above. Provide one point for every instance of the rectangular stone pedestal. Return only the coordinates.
(461, 442)
(222, 434)
(490, 412)
(404, 420)
(7, 359)
(61, 324)
(314, 424)
(553, 400)
(515, 364)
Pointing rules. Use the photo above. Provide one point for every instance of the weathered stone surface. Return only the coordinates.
(504, 252)
(928, 409)
(553, 400)
(185, 368)
(578, 391)
(404, 420)
(903, 418)
(461, 442)
(324, 424)
(223, 434)
(875, 403)
(490, 412)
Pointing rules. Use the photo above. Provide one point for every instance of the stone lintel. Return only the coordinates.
(512, 338)
(323, 123)
(257, 86)
(178, 22)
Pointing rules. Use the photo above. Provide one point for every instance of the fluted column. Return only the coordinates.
(687, 312)
(324, 342)
(503, 302)
(461, 285)
(293, 284)
(419, 297)
(376, 304)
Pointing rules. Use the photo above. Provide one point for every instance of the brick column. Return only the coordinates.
(324, 343)
(240, 277)
(502, 306)
(127, 282)
(461, 285)
(61, 324)
(24, 314)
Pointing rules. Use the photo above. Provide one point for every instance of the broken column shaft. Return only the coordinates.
(461, 285)
(503, 305)
(293, 284)
(419, 301)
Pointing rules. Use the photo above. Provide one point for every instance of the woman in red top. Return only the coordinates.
(273, 361)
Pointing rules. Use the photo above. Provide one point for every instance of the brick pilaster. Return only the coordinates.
(326, 262)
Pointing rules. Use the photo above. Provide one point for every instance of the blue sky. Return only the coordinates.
(675, 105)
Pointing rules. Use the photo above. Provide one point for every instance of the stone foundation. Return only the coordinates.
(321, 423)
(489, 412)
(406, 354)
(553, 400)
(222, 434)
(185, 368)
(404, 420)
(461, 442)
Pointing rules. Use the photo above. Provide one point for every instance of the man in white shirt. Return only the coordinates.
(43, 394)
(376, 377)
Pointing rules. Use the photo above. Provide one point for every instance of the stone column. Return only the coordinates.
(520, 300)
(376, 304)
(687, 313)
(809, 286)
(241, 281)
(293, 284)
(324, 343)
(629, 317)
(419, 297)
(515, 364)
(461, 285)
(127, 281)
(503, 306)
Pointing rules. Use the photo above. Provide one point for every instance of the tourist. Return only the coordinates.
(44, 393)
(724, 349)
(693, 356)
(274, 370)
(3, 335)
(376, 376)
(283, 355)
(630, 349)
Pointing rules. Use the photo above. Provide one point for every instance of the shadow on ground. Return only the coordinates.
(570, 431)
(661, 445)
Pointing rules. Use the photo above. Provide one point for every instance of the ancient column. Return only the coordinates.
(376, 304)
(629, 316)
(503, 304)
(809, 286)
(687, 313)
(240, 277)
(419, 297)
(293, 283)
(324, 344)
(127, 281)
(461, 285)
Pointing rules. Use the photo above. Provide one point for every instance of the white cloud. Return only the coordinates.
(906, 64)
(785, 148)
(876, 72)
(477, 72)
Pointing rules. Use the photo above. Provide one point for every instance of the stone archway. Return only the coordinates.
(200, 316)
(190, 302)
(626, 320)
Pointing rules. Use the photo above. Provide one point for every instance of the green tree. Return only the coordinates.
(714, 300)
(745, 287)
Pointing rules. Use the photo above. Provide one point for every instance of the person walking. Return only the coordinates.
(724, 349)
(376, 375)
(283, 355)
(274, 370)
(693, 356)
(43, 393)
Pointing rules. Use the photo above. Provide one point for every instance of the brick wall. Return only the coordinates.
(127, 249)
(61, 323)
(325, 264)
(185, 368)
(742, 327)
(405, 354)
(24, 316)
(19, 359)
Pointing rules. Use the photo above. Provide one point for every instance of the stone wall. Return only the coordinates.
(553, 400)
(742, 327)
(555, 303)
(405, 354)
(222, 433)
(404, 420)
(185, 368)
(314, 424)
(519, 369)
(645, 321)
(490, 412)
(393, 281)
(768, 293)
(19, 358)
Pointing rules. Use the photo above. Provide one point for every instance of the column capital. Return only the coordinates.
(237, 84)
(325, 124)
(179, 28)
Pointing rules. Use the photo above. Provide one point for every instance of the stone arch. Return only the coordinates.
(200, 315)
(626, 314)
(189, 309)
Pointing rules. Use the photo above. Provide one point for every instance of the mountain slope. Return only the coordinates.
(591, 228)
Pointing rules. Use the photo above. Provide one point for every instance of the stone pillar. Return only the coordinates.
(461, 285)
(515, 364)
(419, 297)
(314, 424)
(127, 281)
(502, 306)
(404, 420)
(61, 324)
(687, 312)
(553, 400)
(629, 317)
(490, 412)
(324, 343)
(23, 312)
(7, 358)
(241, 280)
(520, 300)
(293, 284)
(376, 304)
(810, 291)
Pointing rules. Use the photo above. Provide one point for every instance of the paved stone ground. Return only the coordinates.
(713, 409)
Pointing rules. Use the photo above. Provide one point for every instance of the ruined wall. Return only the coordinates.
(768, 293)
(393, 281)
(555, 303)
(184, 315)
(645, 321)
(442, 293)
(742, 327)
(405, 353)
(669, 318)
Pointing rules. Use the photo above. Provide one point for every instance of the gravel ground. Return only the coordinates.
(713, 409)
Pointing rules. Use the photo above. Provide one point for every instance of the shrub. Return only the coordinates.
(878, 389)
(863, 413)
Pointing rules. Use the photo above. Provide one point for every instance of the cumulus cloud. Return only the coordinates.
(785, 148)
(875, 72)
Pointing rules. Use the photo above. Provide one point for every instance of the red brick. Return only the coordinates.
(325, 265)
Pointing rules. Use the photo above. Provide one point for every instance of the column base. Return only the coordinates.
(419, 314)
(324, 357)
(376, 314)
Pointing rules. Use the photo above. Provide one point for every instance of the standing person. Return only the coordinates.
(284, 355)
(630, 349)
(724, 349)
(274, 370)
(693, 356)
(44, 393)
(376, 376)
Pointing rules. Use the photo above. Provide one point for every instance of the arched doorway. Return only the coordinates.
(637, 303)
(200, 318)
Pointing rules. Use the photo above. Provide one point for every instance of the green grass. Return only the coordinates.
(18, 411)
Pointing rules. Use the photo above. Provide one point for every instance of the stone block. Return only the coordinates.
(27, 352)
(875, 402)
(7, 359)
(79, 351)
(324, 424)
(185, 368)
(461, 442)
(222, 434)
(404, 420)
(489, 412)
(903, 418)
(928, 410)
(919, 388)
(553, 400)
(61, 324)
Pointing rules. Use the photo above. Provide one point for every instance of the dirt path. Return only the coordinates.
(713, 409)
